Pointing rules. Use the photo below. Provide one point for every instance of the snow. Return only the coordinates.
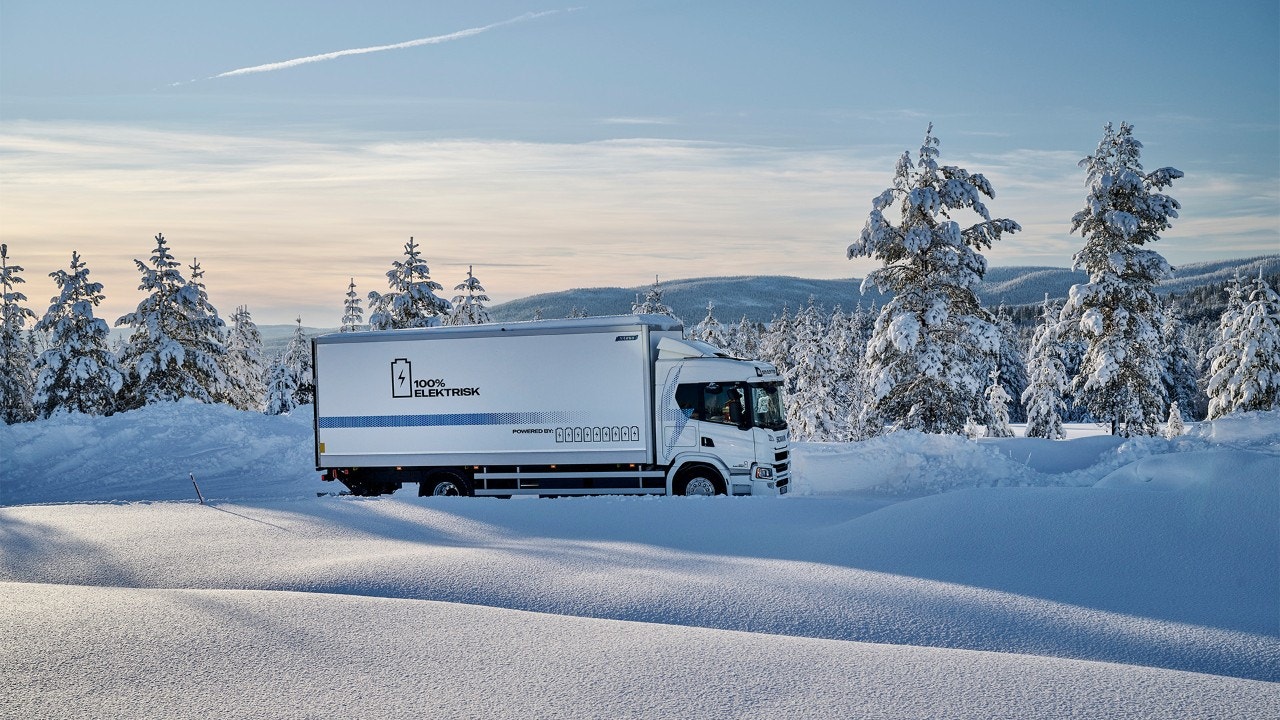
(909, 576)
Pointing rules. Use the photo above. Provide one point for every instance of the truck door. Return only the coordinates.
(725, 427)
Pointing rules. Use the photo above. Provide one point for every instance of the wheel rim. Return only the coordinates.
(445, 487)
(700, 486)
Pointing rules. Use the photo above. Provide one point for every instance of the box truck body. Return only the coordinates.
(564, 407)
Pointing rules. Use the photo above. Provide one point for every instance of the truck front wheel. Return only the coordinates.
(700, 482)
(446, 483)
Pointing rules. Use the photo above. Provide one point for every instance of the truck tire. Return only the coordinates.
(701, 481)
(443, 483)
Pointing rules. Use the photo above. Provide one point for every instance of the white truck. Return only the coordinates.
(590, 406)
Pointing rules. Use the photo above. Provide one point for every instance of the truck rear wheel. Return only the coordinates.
(444, 483)
(701, 482)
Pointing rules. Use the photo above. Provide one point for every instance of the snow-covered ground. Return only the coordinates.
(908, 576)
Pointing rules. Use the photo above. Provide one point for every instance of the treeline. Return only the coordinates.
(931, 358)
(177, 345)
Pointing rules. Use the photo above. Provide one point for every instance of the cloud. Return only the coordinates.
(638, 121)
(434, 40)
(281, 224)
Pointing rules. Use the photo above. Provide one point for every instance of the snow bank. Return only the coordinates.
(1011, 577)
(149, 454)
(246, 654)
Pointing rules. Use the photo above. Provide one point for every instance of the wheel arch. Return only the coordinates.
(686, 464)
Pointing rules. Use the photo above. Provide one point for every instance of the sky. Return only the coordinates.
(295, 146)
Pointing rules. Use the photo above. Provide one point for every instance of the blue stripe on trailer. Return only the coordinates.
(446, 420)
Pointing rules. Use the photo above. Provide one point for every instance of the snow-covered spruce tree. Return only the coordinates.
(847, 345)
(744, 340)
(933, 344)
(652, 303)
(282, 388)
(1222, 357)
(813, 410)
(1047, 382)
(1173, 427)
(997, 408)
(352, 313)
(208, 331)
(468, 307)
(297, 357)
(861, 324)
(1179, 362)
(411, 301)
(245, 368)
(15, 350)
(710, 330)
(1244, 374)
(175, 350)
(79, 372)
(1013, 369)
(1116, 314)
(776, 344)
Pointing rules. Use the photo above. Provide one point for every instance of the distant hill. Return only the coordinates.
(762, 297)
(759, 298)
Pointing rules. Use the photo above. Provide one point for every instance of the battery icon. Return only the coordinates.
(401, 378)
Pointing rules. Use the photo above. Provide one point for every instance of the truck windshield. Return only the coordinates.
(766, 407)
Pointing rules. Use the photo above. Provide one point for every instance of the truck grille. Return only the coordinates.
(779, 457)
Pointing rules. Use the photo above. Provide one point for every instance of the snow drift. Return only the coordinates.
(912, 575)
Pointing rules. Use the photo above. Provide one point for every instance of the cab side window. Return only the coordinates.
(711, 402)
(689, 400)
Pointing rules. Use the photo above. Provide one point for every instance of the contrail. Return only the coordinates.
(380, 48)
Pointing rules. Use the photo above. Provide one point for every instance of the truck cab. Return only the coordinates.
(723, 427)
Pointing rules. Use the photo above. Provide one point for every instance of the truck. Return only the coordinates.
(621, 405)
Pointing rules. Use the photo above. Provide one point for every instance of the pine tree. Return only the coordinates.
(1245, 370)
(208, 331)
(744, 340)
(851, 351)
(710, 330)
(1223, 357)
(652, 303)
(997, 408)
(1173, 427)
(1013, 369)
(1043, 398)
(776, 344)
(15, 352)
(79, 372)
(813, 412)
(352, 313)
(412, 301)
(468, 308)
(175, 349)
(933, 343)
(1178, 361)
(1116, 314)
(297, 357)
(246, 374)
(282, 388)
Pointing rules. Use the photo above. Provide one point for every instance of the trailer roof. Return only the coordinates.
(531, 327)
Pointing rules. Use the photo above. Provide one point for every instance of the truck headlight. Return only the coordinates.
(764, 473)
